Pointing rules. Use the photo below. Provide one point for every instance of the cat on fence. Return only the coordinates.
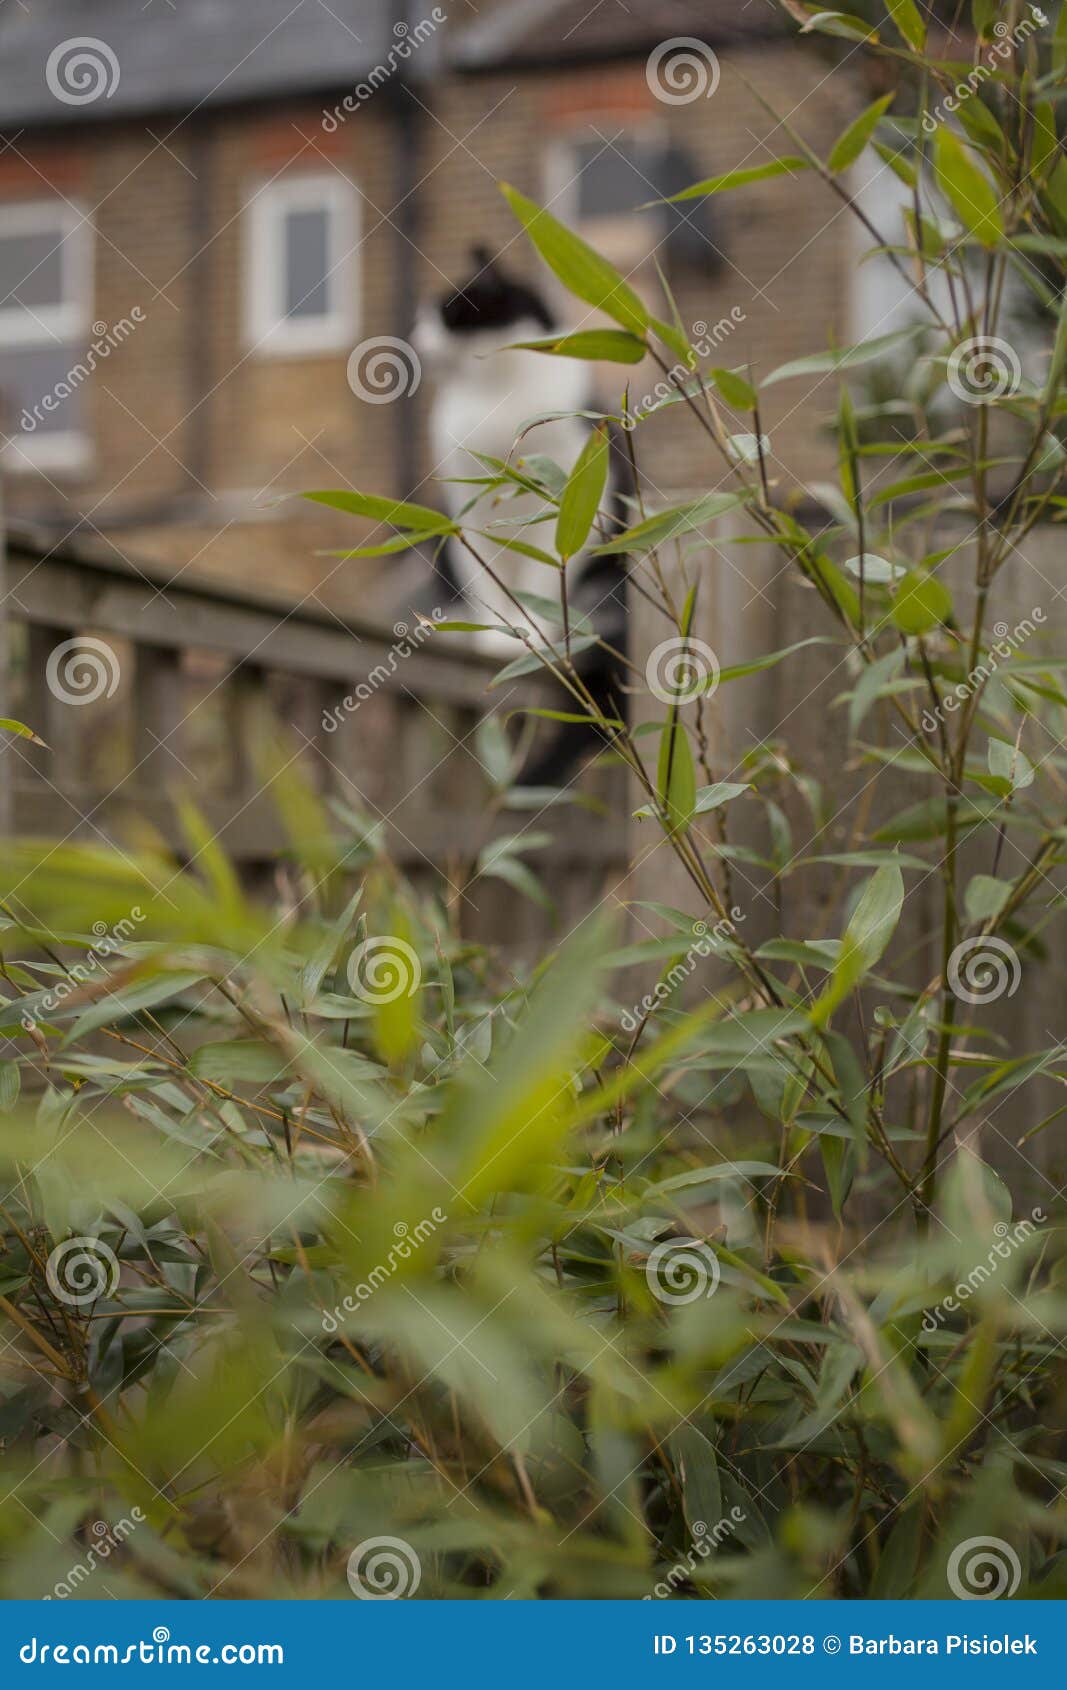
(485, 394)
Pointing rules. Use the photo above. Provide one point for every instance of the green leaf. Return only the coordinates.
(738, 671)
(985, 897)
(611, 346)
(10, 1086)
(118, 1006)
(898, 1563)
(582, 495)
(19, 728)
(875, 917)
(1010, 764)
(736, 179)
(734, 389)
(845, 357)
(873, 923)
(842, 24)
(676, 778)
(394, 511)
(236, 1060)
(909, 22)
(588, 276)
(920, 603)
(531, 662)
(518, 875)
(670, 524)
(967, 188)
(707, 798)
(849, 146)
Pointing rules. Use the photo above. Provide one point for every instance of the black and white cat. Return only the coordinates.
(485, 391)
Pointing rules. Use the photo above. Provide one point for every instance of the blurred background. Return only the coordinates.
(214, 213)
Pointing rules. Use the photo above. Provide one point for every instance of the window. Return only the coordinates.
(597, 177)
(595, 183)
(44, 324)
(301, 265)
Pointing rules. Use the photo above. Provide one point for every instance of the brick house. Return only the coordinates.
(204, 210)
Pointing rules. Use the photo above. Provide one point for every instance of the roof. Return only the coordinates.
(126, 58)
(530, 34)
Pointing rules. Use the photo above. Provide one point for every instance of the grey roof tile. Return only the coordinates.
(181, 55)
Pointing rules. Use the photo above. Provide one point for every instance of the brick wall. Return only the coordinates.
(197, 436)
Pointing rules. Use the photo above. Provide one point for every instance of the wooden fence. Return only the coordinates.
(142, 687)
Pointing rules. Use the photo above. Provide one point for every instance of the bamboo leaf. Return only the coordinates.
(582, 495)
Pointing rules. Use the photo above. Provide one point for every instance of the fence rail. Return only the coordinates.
(168, 650)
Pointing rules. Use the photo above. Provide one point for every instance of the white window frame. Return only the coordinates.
(268, 331)
(67, 449)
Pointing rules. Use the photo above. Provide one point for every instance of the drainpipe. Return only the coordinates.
(405, 113)
(198, 453)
